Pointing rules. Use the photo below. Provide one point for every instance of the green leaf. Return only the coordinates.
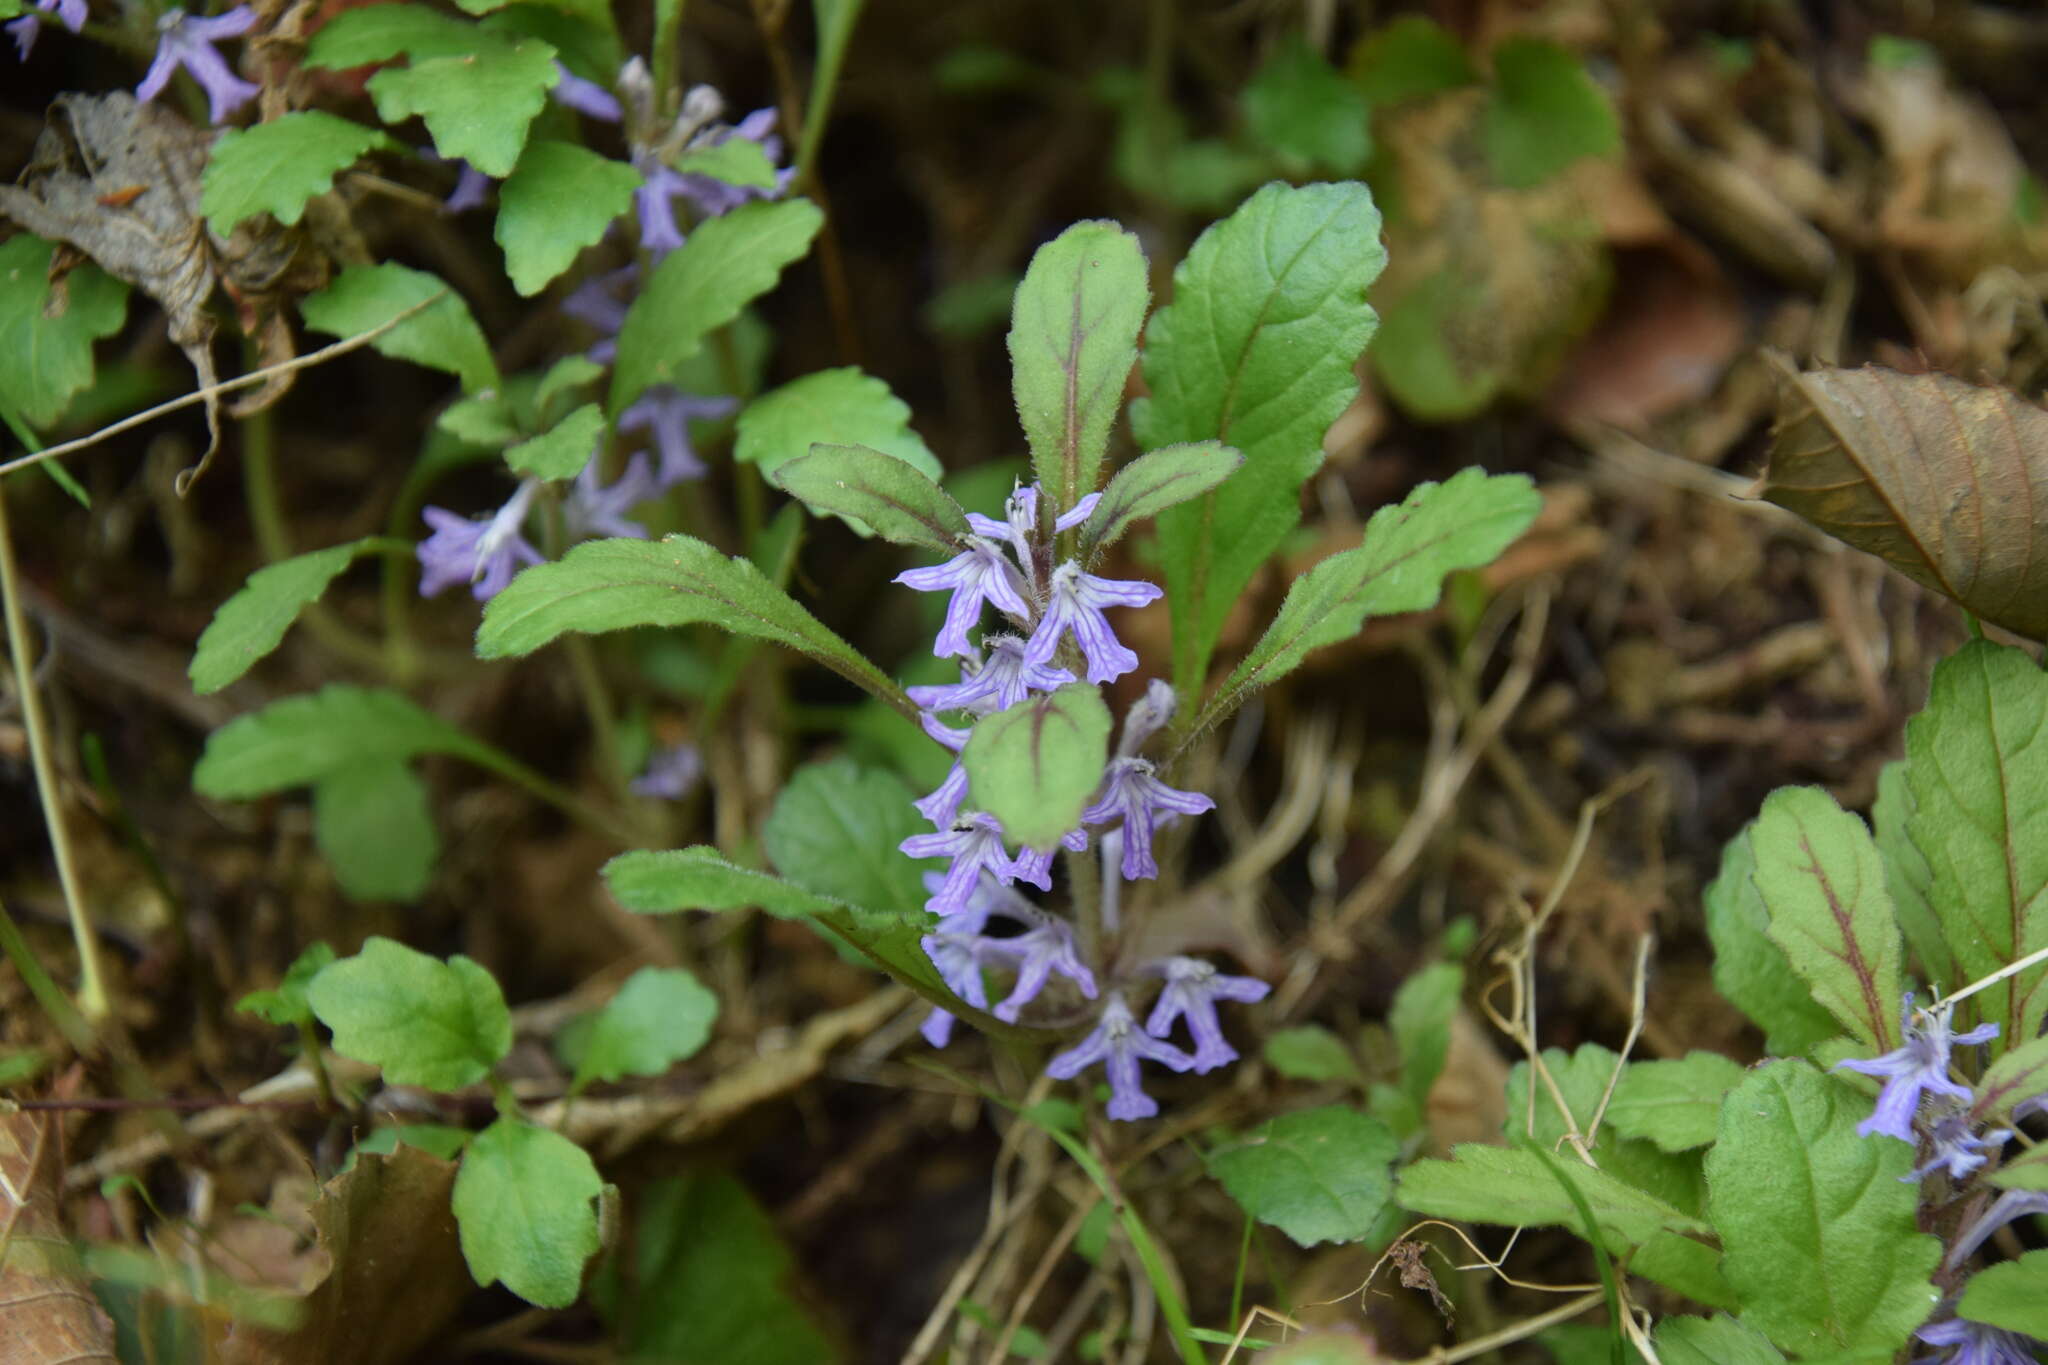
(834, 832)
(377, 33)
(1310, 1053)
(1256, 350)
(699, 878)
(2012, 1295)
(286, 1005)
(604, 585)
(737, 161)
(1484, 1184)
(1822, 883)
(1581, 1079)
(435, 1139)
(1036, 765)
(442, 336)
(276, 167)
(251, 623)
(1399, 565)
(371, 819)
(49, 360)
(477, 106)
(2020, 1075)
(1299, 107)
(525, 1201)
(661, 1016)
(1909, 878)
(559, 199)
(562, 450)
(300, 740)
(438, 1025)
(1675, 1104)
(561, 381)
(1543, 113)
(1073, 338)
(702, 285)
(1818, 1232)
(1153, 482)
(874, 492)
(1407, 59)
(1749, 968)
(841, 407)
(1977, 764)
(1420, 1019)
(1713, 1341)
(2027, 1171)
(1319, 1175)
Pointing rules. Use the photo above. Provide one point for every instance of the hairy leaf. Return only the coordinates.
(1908, 877)
(561, 451)
(661, 1016)
(1675, 1104)
(377, 33)
(298, 741)
(2020, 1075)
(2012, 1295)
(372, 820)
(478, 105)
(1749, 968)
(699, 878)
(559, 199)
(443, 336)
(1713, 1341)
(439, 1025)
(1512, 1187)
(252, 623)
(1036, 765)
(1153, 482)
(525, 1200)
(1319, 1175)
(49, 359)
(276, 167)
(875, 492)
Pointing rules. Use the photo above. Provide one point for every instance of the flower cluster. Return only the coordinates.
(1055, 631)
(187, 40)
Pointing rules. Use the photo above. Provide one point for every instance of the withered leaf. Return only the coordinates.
(46, 1311)
(1945, 481)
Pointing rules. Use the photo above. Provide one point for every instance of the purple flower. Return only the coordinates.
(470, 188)
(1034, 865)
(187, 40)
(1958, 1149)
(951, 738)
(943, 805)
(482, 552)
(1192, 989)
(1046, 948)
(585, 97)
(1141, 802)
(1147, 716)
(960, 957)
(1118, 1043)
(711, 196)
(1978, 1343)
(976, 575)
(1006, 679)
(670, 773)
(1020, 518)
(665, 415)
(602, 301)
(1076, 604)
(591, 510)
(1918, 1066)
(653, 204)
(975, 844)
(24, 29)
(2009, 1205)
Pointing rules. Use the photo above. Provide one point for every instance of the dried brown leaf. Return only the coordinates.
(1945, 481)
(47, 1313)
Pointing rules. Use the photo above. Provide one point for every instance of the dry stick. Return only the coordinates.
(1047, 1263)
(254, 377)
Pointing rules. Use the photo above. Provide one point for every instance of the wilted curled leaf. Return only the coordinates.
(1945, 481)
(46, 1311)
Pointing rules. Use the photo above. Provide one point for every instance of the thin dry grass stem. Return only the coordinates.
(1306, 763)
(1251, 1319)
(1048, 1261)
(1638, 1007)
(1137, 1340)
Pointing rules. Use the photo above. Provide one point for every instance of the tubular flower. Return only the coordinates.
(1006, 679)
(1076, 603)
(1132, 796)
(1192, 989)
(1118, 1043)
(1958, 1149)
(1046, 948)
(1978, 1343)
(585, 97)
(670, 773)
(1917, 1067)
(70, 12)
(187, 40)
(942, 807)
(976, 575)
(591, 510)
(665, 415)
(975, 844)
(483, 552)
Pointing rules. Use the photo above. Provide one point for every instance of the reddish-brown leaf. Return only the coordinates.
(1945, 481)
(46, 1311)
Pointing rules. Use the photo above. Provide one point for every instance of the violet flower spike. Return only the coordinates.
(585, 97)
(665, 415)
(1045, 949)
(670, 773)
(1958, 1149)
(1917, 1067)
(975, 844)
(483, 552)
(2009, 1205)
(591, 510)
(1006, 679)
(712, 197)
(1075, 603)
(71, 13)
(976, 575)
(602, 301)
(187, 40)
(653, 204)
(1034, 865)
(959, 958)
(947, 735)
(1119, 1044)
(942, 807)
(1977, 1343)
(1192, 989)
(1140, 802)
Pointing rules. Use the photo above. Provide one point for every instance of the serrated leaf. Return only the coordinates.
(701, 286)
(1319, 1175)
(1398, 565)
(875, 492)
(1749, 968)
(285, 1005)
(1543, 113)
(842, 407)
(478, 105)
(2027, 1171)
(1310, 1053)
(834, 832)
(604, 585)
(558, 200)
(276, 167)
(1675, 1104)
(561, 381)
(737, 161)
(372, 820)
(699, 878)
(1036, 765)
(377, 33)
(2012, 1295)
(561, 451)
(1299, 107)
(1512, 1187)
(1908, 877)
(1153, 482)
(249, 625)
(1818, 1232)
(442, 336)
(1255, 350)
(1934, 476)
(661, 1016)
(1581, 1079)
(1420, 1020)
(1073, 339)
(1977, 763)
(2020, 1075)
(1713, 1341)
(1411, 57)
(1822, 883)
(439, 1025)
(525, 1200)
(298, 741)
(49, 360)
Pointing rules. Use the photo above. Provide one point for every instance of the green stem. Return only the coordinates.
(92, 990)
(65, 1015)
(835, 34)
(668, 52)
